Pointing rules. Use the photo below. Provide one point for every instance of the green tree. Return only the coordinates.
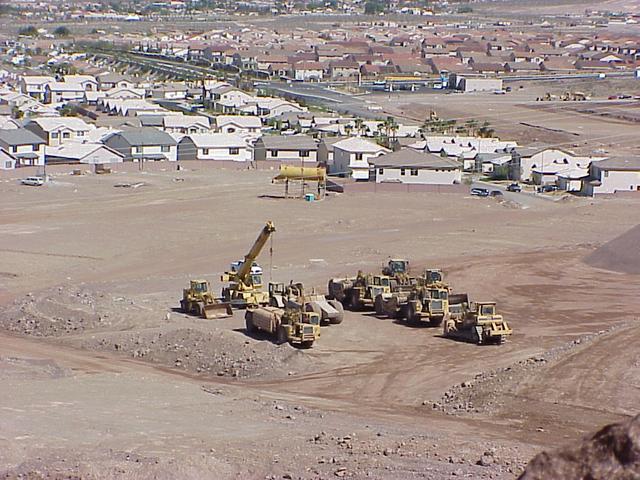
(373, 7)
(29, 31)
(62, 32)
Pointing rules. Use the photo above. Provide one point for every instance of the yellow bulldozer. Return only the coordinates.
(198, 300)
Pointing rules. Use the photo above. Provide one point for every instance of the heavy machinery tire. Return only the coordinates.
(281, 335)
(354, 301)
(436, 321)
(307, 344)
(184, 306)
(378, 306)
(340, 317)
(249, 326)
(197, 309)
(411, 315)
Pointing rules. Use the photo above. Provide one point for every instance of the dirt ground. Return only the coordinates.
(102, 377)
(594, 127)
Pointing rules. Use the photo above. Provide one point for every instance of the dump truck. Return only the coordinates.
(426, 299)
(359, 292)
(476, 322)
(198, 300)
(285, 325)
(295, 296)
(245, 279)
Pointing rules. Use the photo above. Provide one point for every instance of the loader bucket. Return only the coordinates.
(218, 310)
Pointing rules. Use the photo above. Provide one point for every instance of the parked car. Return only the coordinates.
(514, 187)
(495, 193)
(33, 181)
(547, 188)
(479, 192)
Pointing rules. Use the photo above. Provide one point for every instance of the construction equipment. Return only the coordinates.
(198, 300)
(358, 293)
(426, 299)
(398, 270)
(245, 277)
(295, 296)
(287, 325)
(476, 322)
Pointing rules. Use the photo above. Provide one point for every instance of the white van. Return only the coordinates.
(33, 181)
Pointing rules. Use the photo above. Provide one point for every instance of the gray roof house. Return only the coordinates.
(413, 167)
(286, 148)
(143, 144)
(23, 145)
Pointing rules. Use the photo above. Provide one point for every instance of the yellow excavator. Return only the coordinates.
(245, 277)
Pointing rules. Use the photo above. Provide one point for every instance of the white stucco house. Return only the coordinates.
(613, 175)
(24, 146)
(88, 153)
(352, 157)
(412, 167)
(214, 146)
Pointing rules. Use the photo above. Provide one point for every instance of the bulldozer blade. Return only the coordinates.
(218, 310)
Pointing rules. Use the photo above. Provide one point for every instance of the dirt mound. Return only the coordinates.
(622, 254)
(221, 353)
(611, 454)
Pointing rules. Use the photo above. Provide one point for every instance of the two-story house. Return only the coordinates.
(26, 148)
(34, 85)
(352, 156)
(613, 175)
(143, 144)
(59, 130)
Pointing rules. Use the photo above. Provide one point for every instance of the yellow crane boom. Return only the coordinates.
(257, 247)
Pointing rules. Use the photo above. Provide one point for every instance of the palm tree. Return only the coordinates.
(359, 126)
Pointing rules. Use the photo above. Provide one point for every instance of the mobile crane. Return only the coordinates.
(245, 278)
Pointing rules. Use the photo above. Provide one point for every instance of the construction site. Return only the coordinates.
(208, 325)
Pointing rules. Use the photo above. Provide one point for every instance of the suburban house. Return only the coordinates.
(413, 167)
(89, 83)
(185, 124)
(214, 146)
(109, 80)
(525, 160)
(8, 123)
(59, 130)
(308, 71)
(352, 157)
(613, 175)
(325, 151)
(569, 167)
(247, 124)
(291, 149)
(62, 92)
(7, 161)
(34, 85)
(89, 153)
(23, 145)
(143, 144)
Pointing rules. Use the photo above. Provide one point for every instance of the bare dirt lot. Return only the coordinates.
(101, 376)
(599, 124)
